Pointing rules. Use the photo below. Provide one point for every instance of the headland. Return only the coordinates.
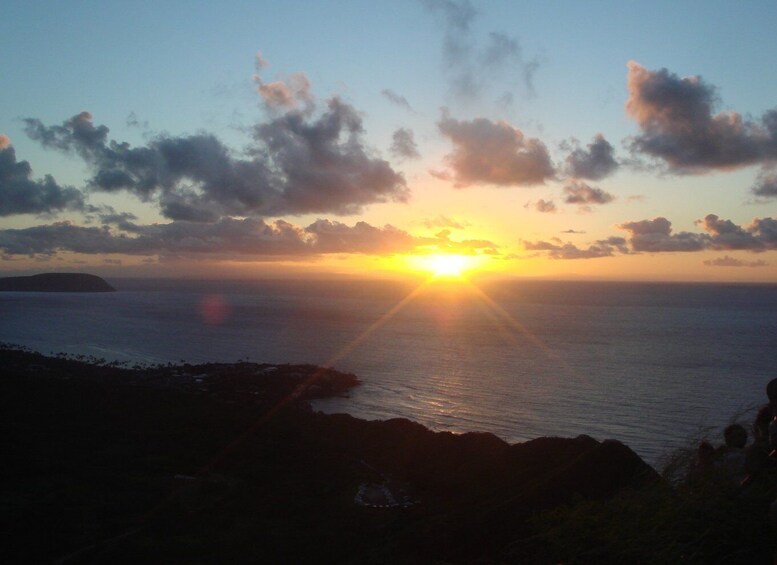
(56, 282)
(228, 463)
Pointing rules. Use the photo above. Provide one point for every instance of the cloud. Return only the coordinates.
(290, 94)
(260, 62)
(580, 193)
(472, 67)
(504, 53)
(679, 128)
(134, 122)
(76, 135)
(443, 242)
(444, 222)
(487, 152)
(725, 234)
(123, 220)
(766, 184)
(403, 145)
(545, 206)
(602, 248)
(593, 163)
(297, 164)
(48, 239)
(397, 99)
(571, 231)
(446, 176)
(655, 236)
(336, 237)
(20, 194)
(457, 17)
(225, 238)
(727, 261)
(765, 230)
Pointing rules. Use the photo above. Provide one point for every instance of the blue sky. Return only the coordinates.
(174, 69)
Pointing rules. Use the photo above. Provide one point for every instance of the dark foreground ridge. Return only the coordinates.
(221, 463)
(56, 282)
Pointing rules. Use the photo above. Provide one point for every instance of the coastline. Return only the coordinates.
(640, 369)
(116, 463)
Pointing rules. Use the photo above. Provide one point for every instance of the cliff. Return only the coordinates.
(56, 282)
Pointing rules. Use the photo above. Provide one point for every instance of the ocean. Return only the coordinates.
(657, 366)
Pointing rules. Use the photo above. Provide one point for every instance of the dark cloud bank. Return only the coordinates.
(251, 238)
(297, 165)
(299, 162)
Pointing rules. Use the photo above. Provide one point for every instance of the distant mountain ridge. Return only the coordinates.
(56, 282)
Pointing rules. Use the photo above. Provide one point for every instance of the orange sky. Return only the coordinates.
(507, 134)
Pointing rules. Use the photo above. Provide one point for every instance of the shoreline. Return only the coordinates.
(99, 451)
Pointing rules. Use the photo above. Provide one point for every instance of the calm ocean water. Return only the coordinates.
(653, 365)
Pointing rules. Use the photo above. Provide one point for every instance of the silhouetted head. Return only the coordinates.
(735, 436)
(706, 453)
(771, 391)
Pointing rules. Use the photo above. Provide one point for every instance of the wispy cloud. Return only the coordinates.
(474, 65)
(444, 222)
(397, 99)
(727, 261)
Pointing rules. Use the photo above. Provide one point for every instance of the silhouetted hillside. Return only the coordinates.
(56, 282)
(219, 463)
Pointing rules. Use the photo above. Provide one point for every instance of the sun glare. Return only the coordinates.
(448, 266)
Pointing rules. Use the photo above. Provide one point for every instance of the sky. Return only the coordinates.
(559, 140)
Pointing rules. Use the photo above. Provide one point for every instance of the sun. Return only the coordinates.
(446, 265)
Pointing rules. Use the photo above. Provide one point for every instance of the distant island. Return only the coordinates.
(56, 282)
